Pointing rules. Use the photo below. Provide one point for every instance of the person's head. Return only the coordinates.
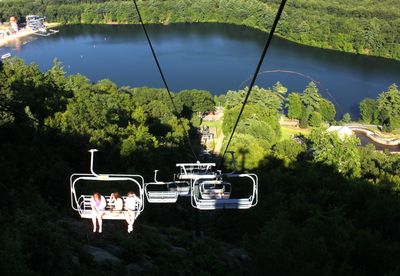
(116, 195)
(131, 194)
(96, 196)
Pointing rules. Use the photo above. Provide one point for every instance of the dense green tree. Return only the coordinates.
(346, 118)
(369, 110)
(258, 129)
(327, 110)
(260, 96)
(288, 150)
(340, 152)
(198, 101)
(280, 90)
(252, 113)
(315, 119)
(249, 151)
(305, 115)
(294, 106)
(389, 107)
(220, 100)
(311, 98)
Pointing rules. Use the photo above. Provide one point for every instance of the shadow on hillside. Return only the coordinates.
(310, 220)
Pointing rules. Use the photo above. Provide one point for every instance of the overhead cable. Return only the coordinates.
(164, 80)
(270, 35)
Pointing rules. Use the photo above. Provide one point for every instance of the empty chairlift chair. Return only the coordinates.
(189, 171)
(218, 191)
(161, 192)
(81, 202)
(168, 192)
(214, 189)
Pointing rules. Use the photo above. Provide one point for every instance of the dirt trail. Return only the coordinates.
(218, 143)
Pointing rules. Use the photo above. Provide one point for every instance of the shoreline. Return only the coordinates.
(56, 24)
(24, 33)
(247, 26)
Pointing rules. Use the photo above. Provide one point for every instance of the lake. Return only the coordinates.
(214, 57)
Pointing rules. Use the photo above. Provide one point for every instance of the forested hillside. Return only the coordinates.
(363, 27)
(326, 206)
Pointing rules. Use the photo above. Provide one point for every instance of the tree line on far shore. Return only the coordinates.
(347, 26)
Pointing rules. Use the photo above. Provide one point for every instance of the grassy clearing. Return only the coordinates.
(287, 132)
(396, 132)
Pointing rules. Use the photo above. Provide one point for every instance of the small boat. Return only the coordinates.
(6, 56)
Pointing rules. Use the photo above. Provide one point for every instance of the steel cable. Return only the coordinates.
(164, 80)
(270, 35)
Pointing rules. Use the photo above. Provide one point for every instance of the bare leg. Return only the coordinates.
(129, 219)
(100, 219)
(132, 215)
(94, 221)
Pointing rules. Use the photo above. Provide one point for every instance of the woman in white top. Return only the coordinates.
(98, 204)
(132, 205)
(116, 203)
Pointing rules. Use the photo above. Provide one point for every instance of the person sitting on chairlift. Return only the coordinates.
(132, 205)
(116, 203)
(98, 204)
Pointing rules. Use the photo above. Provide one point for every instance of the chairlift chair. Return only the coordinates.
(160, 192)
(182, 187)
(168, 192)
(215, 189)
(81, 203)
(215, 192)
(189, 171)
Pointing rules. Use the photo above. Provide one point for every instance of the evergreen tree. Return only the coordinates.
(327, 110)
(369, 110)
(315, 119)
(294, 105)
(305, 115)
(311, 97)
(389, 107)
(346, 118)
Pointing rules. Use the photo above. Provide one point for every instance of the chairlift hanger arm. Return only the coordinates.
(76, 203)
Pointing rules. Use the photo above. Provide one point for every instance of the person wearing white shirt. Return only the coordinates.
(116, 204)
(132, 205)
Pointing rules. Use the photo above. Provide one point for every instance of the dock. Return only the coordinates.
(27, 32)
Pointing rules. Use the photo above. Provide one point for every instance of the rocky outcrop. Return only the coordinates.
(100, 255)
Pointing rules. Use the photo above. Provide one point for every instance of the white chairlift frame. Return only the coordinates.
(187, 170)
(185, 176)
(225, 203)
(160, 196)
(82, 203)
(207, 193)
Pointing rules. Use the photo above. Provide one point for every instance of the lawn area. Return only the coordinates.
(396, 132)
(287, 132)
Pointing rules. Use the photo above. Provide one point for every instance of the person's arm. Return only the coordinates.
(103, 203)
(112, 201)
(138, 202)
(93, 204)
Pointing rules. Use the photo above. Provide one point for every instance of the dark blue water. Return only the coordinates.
(214, 57)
